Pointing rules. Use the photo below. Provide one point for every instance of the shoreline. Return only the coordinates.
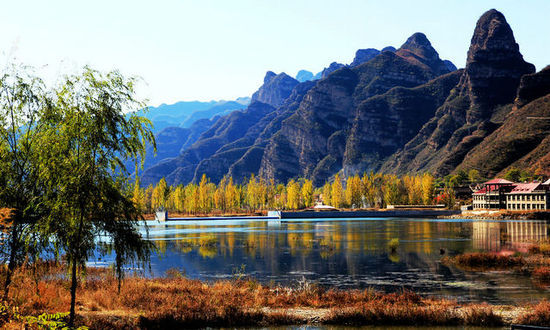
(174, 301)
(502, 215)
(369, 213)
(301, 214)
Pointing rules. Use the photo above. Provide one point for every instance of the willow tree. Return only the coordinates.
(94, 137)
(23, 106)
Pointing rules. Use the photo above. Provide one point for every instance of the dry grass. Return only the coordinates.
(541, 275)
(485, 261)
(539, 315)
(178, 302)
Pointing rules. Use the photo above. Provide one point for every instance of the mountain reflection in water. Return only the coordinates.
(350, 253)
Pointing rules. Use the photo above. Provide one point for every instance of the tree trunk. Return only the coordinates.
(12, 262)
(74, 284)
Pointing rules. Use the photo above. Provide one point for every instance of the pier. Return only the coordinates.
(276, 215)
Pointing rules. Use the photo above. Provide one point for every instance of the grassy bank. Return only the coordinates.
(38, 293)
(535, 262)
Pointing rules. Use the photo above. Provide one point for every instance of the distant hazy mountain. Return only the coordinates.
(185, 113)
(304, 75)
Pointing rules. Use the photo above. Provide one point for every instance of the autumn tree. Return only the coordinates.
(159, 195)
(25, 107)
(353, 191)
(307, 193)
(473, 176)
(93, 137)
(293, 195)
(427, 188)
(327, 193)
(337, 192)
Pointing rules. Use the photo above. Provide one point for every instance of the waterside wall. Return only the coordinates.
(361, 214)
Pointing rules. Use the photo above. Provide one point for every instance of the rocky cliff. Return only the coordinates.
(396, 110)
(312, 141)
(474, 108)
(523, 140)
(226, 132)
(275, 90)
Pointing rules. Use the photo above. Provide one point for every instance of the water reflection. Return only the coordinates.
(515, 235)
(350, 253)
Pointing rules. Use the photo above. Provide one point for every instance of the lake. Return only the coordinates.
(350, 253)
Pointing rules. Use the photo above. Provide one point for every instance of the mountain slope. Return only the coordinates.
(312, 141)
(486, 89)
(396, 116)
(523, 140)
(224, 131)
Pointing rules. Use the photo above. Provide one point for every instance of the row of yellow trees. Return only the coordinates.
(369, 190)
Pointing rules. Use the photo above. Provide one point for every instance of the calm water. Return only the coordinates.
(350, 253)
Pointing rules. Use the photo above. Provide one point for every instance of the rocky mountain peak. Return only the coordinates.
(418, 50)
(276, 89)
(494, 66)
(268, 76)
(331, 68)
(419, 44)
(492, 33)
(364, 55)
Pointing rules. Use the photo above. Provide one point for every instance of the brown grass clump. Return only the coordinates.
(539, 315)
(398, 314)
(481, 315)
(418, 314)
(178, 302)
(541, 275)
(483, 261)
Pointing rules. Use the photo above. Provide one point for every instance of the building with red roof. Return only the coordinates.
(492, 194)
(504, 194)
(528, 196)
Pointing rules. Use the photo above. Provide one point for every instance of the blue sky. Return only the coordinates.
(203, 50)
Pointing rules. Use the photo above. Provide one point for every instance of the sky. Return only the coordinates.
(211, 50)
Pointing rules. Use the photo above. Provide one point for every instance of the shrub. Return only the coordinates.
(486, 261)
(539, 315)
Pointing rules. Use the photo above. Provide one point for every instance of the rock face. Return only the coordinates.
(312, 142)
(385, 123)
(520, 142)
(419, 51)
(494, 66)
(396, 111)
(488, 84)
(275, 90)
(331, 68)
(533, 86)
(230, 135)
(172, 141)
(450, 66)
(364, 55)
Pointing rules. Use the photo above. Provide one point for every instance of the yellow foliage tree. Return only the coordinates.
(327, 193)
(307, 193)
(159, 195)
(337, 192)
(427, 188)
(293, 195)
(353, 191)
